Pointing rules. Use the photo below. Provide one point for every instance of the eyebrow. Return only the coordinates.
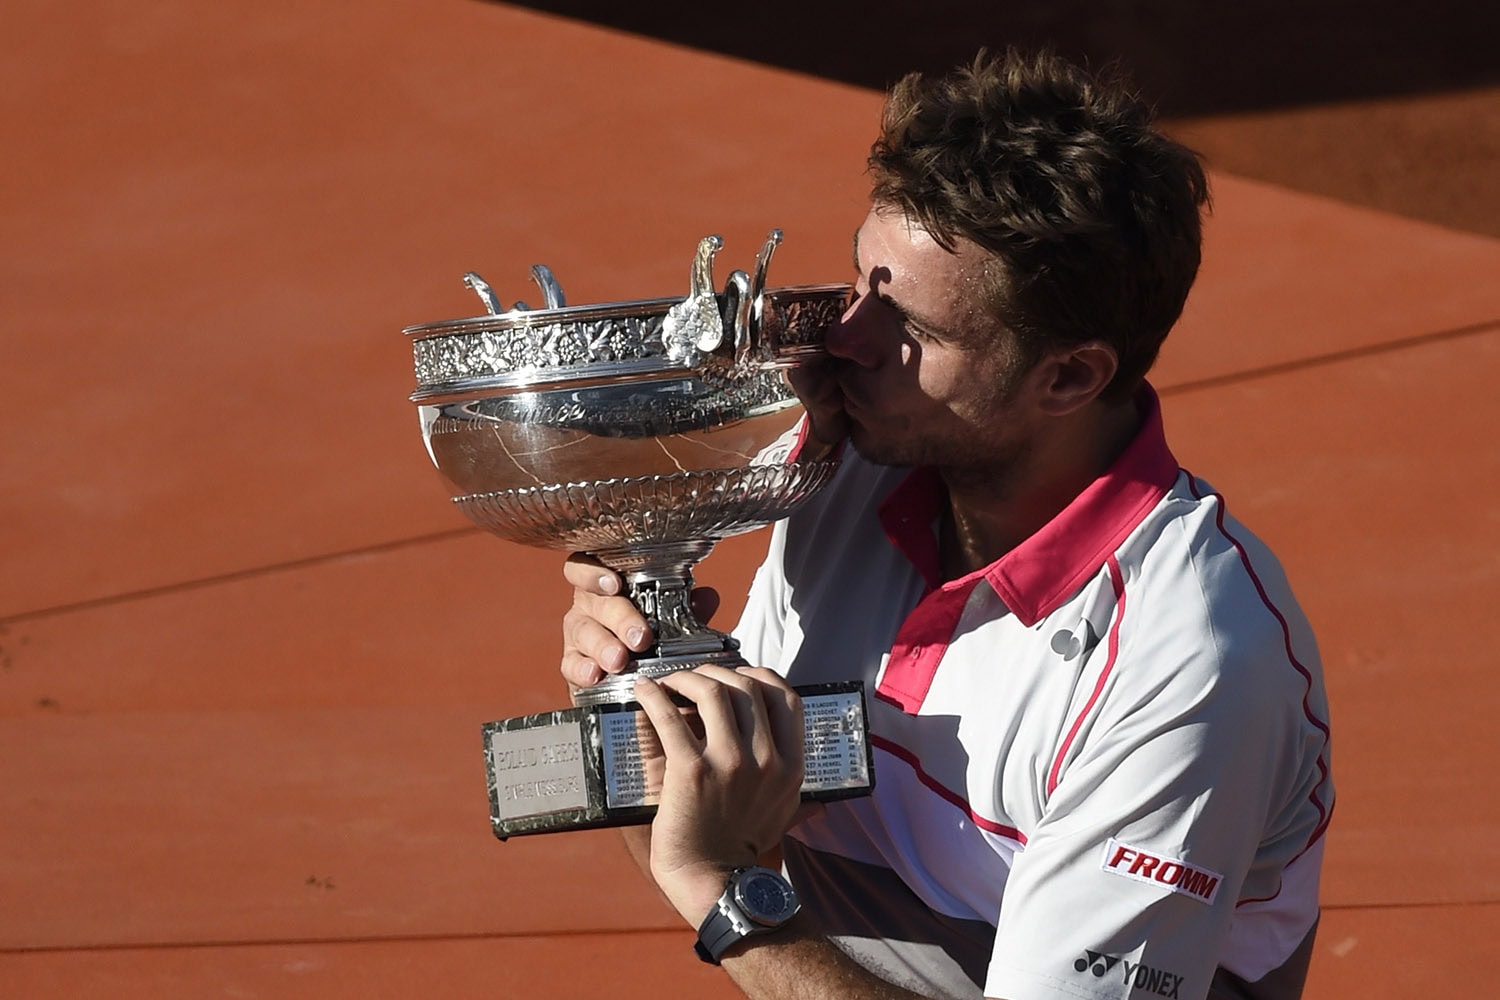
(931, 329)
(884, 297)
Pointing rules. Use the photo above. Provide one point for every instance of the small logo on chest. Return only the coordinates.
(1070, 645)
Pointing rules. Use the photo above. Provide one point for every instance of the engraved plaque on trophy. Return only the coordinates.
(584, 767)
(640, 432)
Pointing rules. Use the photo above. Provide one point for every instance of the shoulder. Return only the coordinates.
(1213, 672)
(1205, 597)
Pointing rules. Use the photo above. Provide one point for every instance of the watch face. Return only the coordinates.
(765, 897)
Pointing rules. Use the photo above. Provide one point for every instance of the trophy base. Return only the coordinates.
(581, 768)
(620, 688)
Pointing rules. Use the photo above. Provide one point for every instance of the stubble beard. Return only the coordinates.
(968, 458)
(966, 463)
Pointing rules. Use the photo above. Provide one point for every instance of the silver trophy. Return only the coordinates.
(640, 432)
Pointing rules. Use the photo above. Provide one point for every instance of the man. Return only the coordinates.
(1098, 715)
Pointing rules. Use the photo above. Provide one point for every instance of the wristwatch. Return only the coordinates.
(756, 901)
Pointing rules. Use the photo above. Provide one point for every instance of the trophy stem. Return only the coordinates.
(659, 582)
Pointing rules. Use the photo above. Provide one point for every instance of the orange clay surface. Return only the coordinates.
(246, 645)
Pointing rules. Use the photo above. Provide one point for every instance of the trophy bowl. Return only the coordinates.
(642, 433)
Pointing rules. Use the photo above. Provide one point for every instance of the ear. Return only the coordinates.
(1071, 379)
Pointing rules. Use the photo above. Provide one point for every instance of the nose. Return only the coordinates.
(851, 337)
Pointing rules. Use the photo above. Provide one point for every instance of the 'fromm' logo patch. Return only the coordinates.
(1153, 869)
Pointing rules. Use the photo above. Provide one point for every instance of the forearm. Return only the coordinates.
(797, 963)
(728, 797)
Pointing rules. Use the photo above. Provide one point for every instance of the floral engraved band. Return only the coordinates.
(744, 327)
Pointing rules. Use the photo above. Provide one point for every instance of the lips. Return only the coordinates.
(850, 396)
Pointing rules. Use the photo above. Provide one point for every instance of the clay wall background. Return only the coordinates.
(246, 645)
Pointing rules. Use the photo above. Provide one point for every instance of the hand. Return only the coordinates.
(603, 628)
(818, 389)
(729, 794)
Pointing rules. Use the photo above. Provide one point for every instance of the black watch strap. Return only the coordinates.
(719, 930)
(728, 923)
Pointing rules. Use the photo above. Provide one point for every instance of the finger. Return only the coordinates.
(753, 714)
(617, 615)
(811, 380)
(677, 740)
(751, 717)
(586, 573)
(585, 637)
(823, 400)
(723, 701)
(580, 671)
(784, 714)
(829, 423)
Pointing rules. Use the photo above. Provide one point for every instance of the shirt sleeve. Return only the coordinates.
(1192, 779)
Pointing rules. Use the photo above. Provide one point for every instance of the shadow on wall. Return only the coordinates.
(1190, 57)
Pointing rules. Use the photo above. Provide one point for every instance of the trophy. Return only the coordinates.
(640, 432)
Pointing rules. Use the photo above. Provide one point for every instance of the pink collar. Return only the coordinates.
(1035, 577)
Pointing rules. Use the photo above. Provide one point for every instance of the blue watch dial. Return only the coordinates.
(765, 897)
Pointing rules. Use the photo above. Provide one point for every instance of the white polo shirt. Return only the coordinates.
(1102, 762)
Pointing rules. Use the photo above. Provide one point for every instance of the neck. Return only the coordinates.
(992, 511)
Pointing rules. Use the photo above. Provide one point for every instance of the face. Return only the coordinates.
(927, 374)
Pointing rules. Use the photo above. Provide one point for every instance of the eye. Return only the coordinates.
(918, 333)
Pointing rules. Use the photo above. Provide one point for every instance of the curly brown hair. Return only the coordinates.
(1091, 213)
